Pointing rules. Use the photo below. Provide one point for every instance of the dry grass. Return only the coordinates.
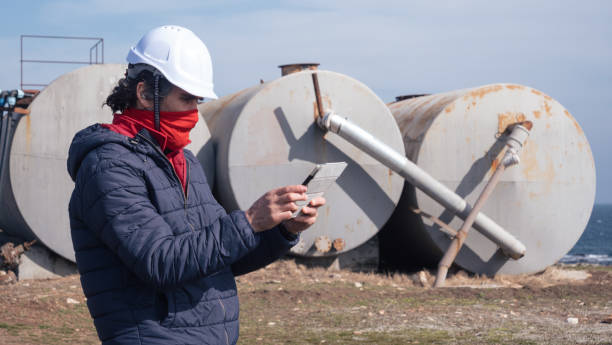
(287, 303)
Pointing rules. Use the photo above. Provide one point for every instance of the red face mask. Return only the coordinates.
(174, 125)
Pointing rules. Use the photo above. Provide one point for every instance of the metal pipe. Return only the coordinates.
(56, 61)
(21, 62)
(514, 143)
(298, 67)
(315, 81)
(63, 37)
(422, 180)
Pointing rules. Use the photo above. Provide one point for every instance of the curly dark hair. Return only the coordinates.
(123, 95)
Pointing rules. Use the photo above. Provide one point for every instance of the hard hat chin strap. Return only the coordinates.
(156, 102)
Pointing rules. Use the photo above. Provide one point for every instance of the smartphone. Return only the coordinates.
(318, 181)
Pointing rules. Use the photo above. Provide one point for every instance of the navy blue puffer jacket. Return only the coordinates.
(157, 264)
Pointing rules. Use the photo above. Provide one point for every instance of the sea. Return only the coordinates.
(595, 244)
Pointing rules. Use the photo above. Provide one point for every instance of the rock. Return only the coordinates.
(10, 254)
(572, 320)
(7, 277)
(72, 301)
(422, 278)
(608, 319)
(358, 285)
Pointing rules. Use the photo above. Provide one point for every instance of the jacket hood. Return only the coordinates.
(88, 140)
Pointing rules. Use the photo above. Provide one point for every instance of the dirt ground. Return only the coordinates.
(287, 303)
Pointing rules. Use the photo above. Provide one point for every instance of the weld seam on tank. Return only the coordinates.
(511, 246)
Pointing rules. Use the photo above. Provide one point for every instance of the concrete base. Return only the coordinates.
(41, 263)
(362, 258)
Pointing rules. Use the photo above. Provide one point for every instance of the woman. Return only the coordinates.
(156, 253)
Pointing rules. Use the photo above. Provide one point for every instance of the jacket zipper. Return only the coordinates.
(184, 191)
(224, 318)
(187, 192)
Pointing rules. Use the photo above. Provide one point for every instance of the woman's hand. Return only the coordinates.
(275, 206)
(306, 218)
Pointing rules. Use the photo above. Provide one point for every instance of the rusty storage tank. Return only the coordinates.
(266, 137)
(545, 201)
(37, 188)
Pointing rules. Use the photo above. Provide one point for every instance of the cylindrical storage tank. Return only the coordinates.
(266, 137)
(545, 201)
(36, 194)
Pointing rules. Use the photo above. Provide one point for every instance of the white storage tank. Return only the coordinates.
(266, 137)
(545, 201)
(37, 189)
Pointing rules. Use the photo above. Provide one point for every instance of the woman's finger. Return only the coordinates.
(290, 189)
(309, 211)
(317, 202)
(284, 216)
(287, 207)
(290, 197)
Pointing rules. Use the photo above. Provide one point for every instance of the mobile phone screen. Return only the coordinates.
(318, 181)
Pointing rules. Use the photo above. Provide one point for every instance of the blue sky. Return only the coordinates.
(563, 48)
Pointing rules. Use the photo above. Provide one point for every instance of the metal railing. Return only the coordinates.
(96, 54)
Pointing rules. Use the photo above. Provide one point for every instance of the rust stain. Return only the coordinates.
(576, 125)
(339, 244)
(536, 92)
(515, 87)
(28, 134)
(548, 108)
(449, 108)
(468, 139)
(326, 102)
(316, 110)
(536, 168)
(483, 91)
(494, 164)
(548, 126)
(529, 161)
(537, 114)
(508, 118)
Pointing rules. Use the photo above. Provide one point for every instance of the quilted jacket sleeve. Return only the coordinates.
(273, 244)
(115, 205)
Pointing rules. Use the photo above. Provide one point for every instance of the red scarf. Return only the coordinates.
(172, 137)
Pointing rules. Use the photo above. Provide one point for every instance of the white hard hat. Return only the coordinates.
(180, 56)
